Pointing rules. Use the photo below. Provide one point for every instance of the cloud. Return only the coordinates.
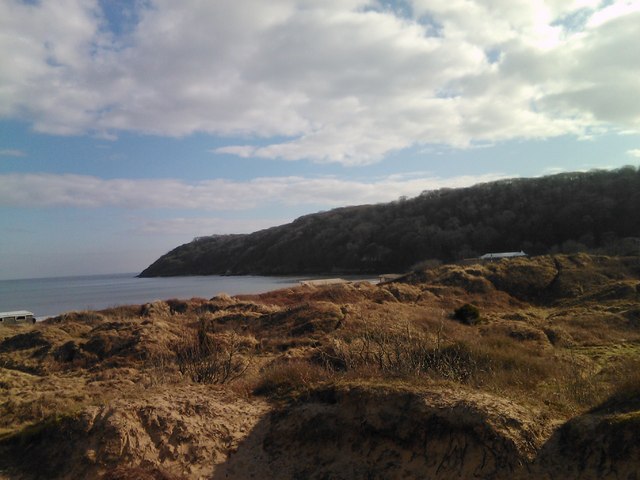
(12, 153)
(635, 152)
(80, 191)
(341, 81)
(614, 11)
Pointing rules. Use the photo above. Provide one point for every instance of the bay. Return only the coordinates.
(47, 297)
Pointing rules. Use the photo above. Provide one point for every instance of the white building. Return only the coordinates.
(323, 281)
(498, 256)
(18, 316)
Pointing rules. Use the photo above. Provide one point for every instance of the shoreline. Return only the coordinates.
(52, 296)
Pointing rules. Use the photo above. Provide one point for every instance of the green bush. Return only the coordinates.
(467, 314)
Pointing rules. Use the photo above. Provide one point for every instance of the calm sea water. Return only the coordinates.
(52, 296)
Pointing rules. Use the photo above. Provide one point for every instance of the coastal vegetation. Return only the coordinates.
(595, 211)
(521, 368)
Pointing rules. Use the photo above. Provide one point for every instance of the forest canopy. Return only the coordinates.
(560, 213)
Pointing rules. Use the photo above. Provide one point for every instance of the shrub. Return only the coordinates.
(177, 306)
(280, 379)
(496, 363)
(161, 369)
(211, 359)
(457, 362)
(467, 314)
(401, 352)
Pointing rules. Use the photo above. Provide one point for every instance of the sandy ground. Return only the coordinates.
(101, 394)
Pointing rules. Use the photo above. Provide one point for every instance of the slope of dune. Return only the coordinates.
(340, 381)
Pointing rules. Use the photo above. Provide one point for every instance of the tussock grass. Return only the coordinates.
(161, 369)
(290, 378)
(211, 358)
(624, 391)
(493, 362)
(20, 420)
(569, 356)
(139, 473)
(34, 430)
(415, 352)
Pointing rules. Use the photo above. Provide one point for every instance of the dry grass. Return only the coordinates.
(212, 358)
(447, 350)
(290, 378)
(625, 393)
(161, 370)
(401, 351)
(415, 352)
(566, 357)
(33, 408)
(139, 473)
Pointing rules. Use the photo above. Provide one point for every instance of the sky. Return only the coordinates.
(129, 127)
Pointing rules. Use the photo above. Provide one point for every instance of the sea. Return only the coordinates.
(47, 297)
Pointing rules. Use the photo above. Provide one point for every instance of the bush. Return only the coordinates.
(280, 379)
(398, 352)
(211, 359)
(177, 306)
(401, 352)
(456, 362)
(467, 314)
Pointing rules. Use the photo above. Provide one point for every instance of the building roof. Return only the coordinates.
(323, 281)
(16, 313)
(388, 277)
(503, 255)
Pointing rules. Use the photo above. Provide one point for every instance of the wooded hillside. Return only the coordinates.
(560, 213)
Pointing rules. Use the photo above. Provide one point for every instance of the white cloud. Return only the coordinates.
(343, 81)
(12, 153)
(49, 190)
(615, 10)
(634, 152)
